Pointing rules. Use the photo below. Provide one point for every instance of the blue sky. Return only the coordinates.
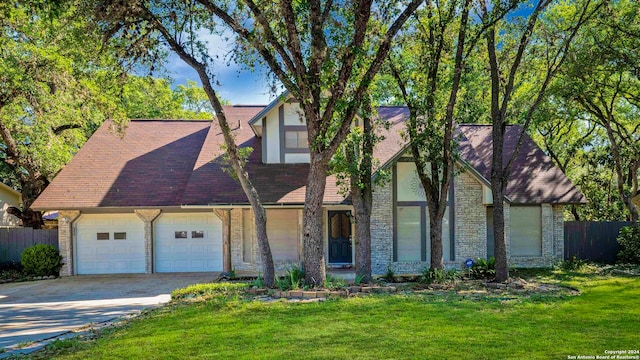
(238, 85)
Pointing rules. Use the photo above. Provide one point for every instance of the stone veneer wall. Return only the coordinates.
(470, 232)
(65, 239)
(470, 220)
(470, 227)
(382, 229)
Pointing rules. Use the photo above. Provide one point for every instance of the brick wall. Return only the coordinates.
(65, 239)
(470, 220)
(382, 229)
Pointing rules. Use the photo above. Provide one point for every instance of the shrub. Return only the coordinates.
(573, 264)
(390, 275)
(41, 260)
(438, 276)
(629, 240)
(483, 269)
(334, 283)
(296, 277)
(292, 280)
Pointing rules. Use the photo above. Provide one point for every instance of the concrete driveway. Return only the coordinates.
(40, 310)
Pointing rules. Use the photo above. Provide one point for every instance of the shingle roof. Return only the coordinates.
(173, 163)
(534, 178)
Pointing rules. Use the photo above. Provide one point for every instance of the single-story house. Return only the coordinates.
(9, 197)
(157, 199)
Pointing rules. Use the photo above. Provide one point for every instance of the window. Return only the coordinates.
(282, 230)
(119, 236)
(526, 231)
(181, 235)
(409, 233)
(295, 140)
(102, 236)
(199, 234)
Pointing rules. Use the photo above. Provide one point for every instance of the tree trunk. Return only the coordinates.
(362, 198)
(435, 238)
(500, 250)
(30, 218)
(362, 203)
(260, 222)
(313, 244)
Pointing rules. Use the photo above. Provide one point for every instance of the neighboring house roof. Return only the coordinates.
(9, 189)
(159, 163)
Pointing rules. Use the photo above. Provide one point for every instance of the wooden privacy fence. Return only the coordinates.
(592, 240)
(14, 240)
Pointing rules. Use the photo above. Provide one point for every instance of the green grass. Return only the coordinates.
(440, 326)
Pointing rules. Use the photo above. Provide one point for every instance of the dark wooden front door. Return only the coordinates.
(339, 237)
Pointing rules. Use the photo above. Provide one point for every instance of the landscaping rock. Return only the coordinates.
(354, 289)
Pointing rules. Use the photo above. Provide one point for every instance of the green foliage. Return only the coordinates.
(589, 124)
(439, 276)
(483, 268)
(573, 264)
(258, 282)
(334, 283)
(390, 275)
(185, 102)
(225, 161)
(41, 260)
(349, 161)
(359, 278)
(629, 240)
(292, 280)
(209, 290)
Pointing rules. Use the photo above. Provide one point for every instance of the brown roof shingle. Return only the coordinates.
(173, 163)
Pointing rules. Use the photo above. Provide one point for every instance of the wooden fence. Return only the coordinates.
(14, 240)
(592, 240)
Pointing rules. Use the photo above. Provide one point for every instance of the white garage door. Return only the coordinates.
(188, 242)
(110, 244)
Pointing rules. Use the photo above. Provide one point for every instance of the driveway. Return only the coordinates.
(39, 310)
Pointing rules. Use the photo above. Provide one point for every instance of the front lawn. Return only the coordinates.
(442, 325)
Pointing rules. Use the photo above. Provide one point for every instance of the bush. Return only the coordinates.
(41, 260)
(629, 240)
(573, 264)
(436, 276)
(293, 279)
(483, 269)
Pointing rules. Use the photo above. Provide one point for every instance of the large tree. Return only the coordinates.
(428, 71)
(509, 45)
(325, 54)
(602, 81)
(54, 91)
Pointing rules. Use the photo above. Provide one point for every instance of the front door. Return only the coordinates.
(339, 237)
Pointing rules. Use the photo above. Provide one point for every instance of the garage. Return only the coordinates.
(109, 244)
(188, 242)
